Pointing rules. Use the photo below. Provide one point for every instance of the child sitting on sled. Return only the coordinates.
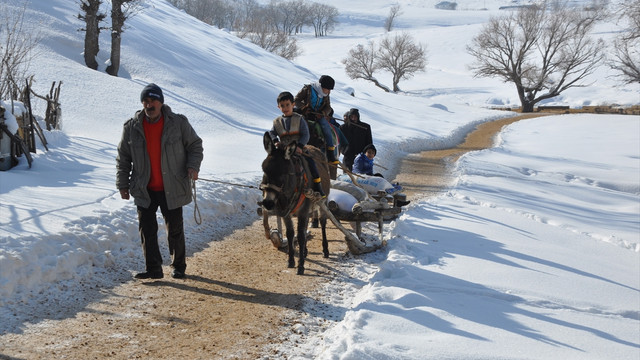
(363, 163)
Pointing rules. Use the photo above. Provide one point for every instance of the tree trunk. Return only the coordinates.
(113, 68)
(527, 99)
(377, 83)
(117, 23)
(527, 106)
(92, 32)
(397, 71)
(395, 84)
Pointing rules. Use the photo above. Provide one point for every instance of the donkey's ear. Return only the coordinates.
(268, 143)
(290, 150)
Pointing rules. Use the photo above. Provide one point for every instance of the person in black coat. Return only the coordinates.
(358, 134)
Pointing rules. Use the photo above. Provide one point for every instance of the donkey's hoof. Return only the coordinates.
(326, 254)
(276, 239)
(300, 271)
(291, 265)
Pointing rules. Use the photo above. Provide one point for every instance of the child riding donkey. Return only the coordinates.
(313, 102)
(291, 127)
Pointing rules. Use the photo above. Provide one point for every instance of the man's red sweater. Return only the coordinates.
(153, 134)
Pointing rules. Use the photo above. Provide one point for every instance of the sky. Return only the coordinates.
(532, 253)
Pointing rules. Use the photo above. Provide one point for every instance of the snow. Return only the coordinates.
(532, 253)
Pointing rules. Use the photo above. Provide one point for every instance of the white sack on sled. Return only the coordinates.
(359, 193)
(342, 199)
(372, 184)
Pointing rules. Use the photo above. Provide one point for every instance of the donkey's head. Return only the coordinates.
(279, 176)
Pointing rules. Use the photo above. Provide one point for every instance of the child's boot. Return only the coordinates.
(317, 187)
(331, 155)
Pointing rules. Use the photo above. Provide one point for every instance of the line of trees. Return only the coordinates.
(543, 50)
(269, 26)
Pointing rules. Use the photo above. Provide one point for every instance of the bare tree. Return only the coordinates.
(361, 64)
(269, 27)
(279, 16)
(200, 9)
(399, 55)
(542, 52)
(218, 13)
(17, 48)
(276, 42)
(626, 55)
(402, 57)
(263, 33)
(121, 10)
(288, 16)
(331, 15)
(300, 12)
(394, 12)
(91, 15)
(322, 18)
(223, 15)
(246, 12)
(289, 49)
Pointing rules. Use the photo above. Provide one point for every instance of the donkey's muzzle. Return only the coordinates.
(268, 204)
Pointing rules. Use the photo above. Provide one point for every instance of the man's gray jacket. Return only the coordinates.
(181, 149)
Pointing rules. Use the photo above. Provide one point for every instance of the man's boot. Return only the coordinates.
(331, 155)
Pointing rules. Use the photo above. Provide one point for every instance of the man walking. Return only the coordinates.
(157, 156)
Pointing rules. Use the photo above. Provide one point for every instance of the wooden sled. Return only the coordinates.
(355, 242)
(383, 207)
(378, 215)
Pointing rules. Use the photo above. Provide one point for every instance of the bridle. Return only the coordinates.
(267, 187)
(296, 200)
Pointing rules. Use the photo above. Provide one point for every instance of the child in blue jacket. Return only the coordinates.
(363, 164)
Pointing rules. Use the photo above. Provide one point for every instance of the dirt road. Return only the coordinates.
(235, 300)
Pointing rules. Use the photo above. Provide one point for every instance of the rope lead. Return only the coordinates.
(196, 211)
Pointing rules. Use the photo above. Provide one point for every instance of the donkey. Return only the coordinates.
(286, 193)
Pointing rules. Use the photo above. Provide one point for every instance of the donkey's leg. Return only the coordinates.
(303, 221)
(288, 223)
(325, 243)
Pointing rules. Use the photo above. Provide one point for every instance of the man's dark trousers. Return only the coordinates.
(148, 227)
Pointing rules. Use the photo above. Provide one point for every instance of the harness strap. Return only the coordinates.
(301, 199)
(270, 186)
